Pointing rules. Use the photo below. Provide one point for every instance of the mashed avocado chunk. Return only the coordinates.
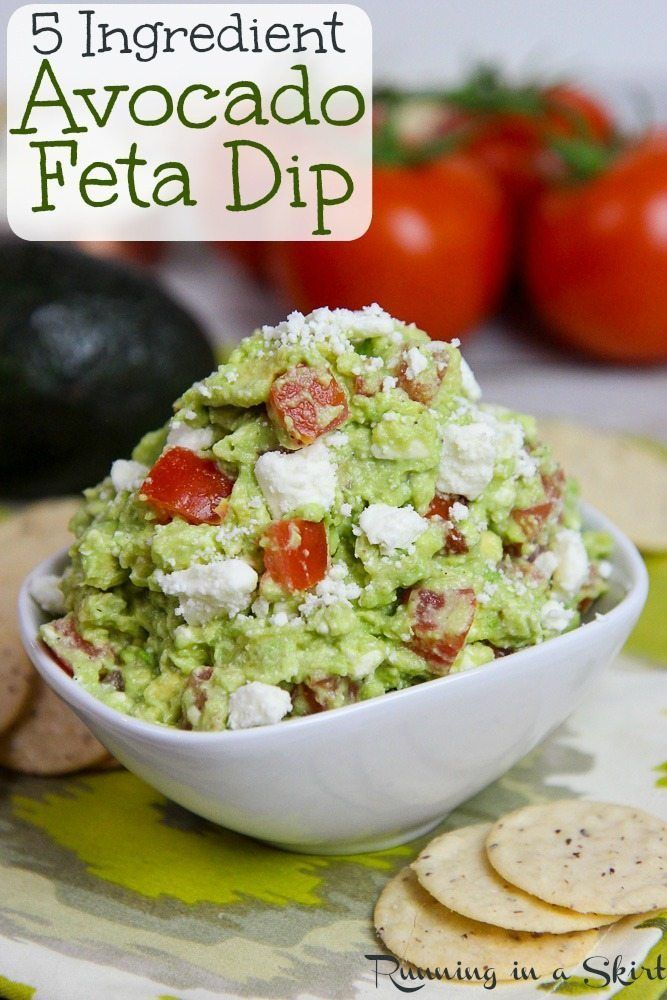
(331, 515)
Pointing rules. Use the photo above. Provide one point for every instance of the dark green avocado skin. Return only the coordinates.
(92, 355)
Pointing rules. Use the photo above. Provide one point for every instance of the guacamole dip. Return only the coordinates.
(331, 515)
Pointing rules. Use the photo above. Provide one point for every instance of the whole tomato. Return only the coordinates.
(516, 144)
(436, 252)
(595, 261)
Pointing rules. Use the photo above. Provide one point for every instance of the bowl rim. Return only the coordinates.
(625, 556)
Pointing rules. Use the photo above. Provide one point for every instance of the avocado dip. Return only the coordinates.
(329, 516)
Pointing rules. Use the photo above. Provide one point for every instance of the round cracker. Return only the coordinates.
(108, 764)
(584, 855)
(419, 930)
(16, 678)
(25, 539)
(623, 476)
(49, 738)
(455, 870)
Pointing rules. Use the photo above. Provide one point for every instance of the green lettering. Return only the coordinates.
(114, 91)
(254, 96)
(168, 105)
(57, 175)
(179, 177)
(180, 107)
(237, 205)
(303, 89)
(132, 162)
(87, 180)
(322, 202)
(60, 101)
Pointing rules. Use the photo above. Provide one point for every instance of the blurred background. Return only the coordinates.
(520, 204)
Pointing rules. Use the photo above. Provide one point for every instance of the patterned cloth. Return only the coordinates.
(110, 892)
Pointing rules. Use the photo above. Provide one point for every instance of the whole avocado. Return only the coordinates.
(92, 355)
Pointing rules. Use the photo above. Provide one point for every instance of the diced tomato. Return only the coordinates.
(306, 403)
(531, 520)
(197, 684)
(72, 640)
(181, 484)
(440, 621)
(554, 488)
(368, 385)
(326, 693)
(423, 388)
(63, 664)
(440, 507)
(296, 554)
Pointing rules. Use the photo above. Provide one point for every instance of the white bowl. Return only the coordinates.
(374, 774)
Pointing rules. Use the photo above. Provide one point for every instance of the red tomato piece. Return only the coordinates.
(72, 640)
(440, 620)
(554, 486)
(367, 385)
(306, 403)
(440, 507)
(181, 484)
(296, 553)
(531, 520)
(326, 693)
(423, 387)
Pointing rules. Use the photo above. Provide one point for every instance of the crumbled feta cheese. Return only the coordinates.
(471, 451)
(346, 509)
(329, 327)
(47, 592)
(391, 527)
(127, 475)
(260, 607)
(373, 364)
(203, 389)
(333, 589)
(292, 480)
(231, 376)
(467, 459)
(469, 383)
(545, 565)
(458, 511)
(257, 704)
(192, 438)
(416, 363)
(605, 569)
(206, 590)
(555, 616)
(367, 663)
(336, 439)
(509, 436)
(280, 619)
(389, 382)
(572, 568)
(526, 466)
